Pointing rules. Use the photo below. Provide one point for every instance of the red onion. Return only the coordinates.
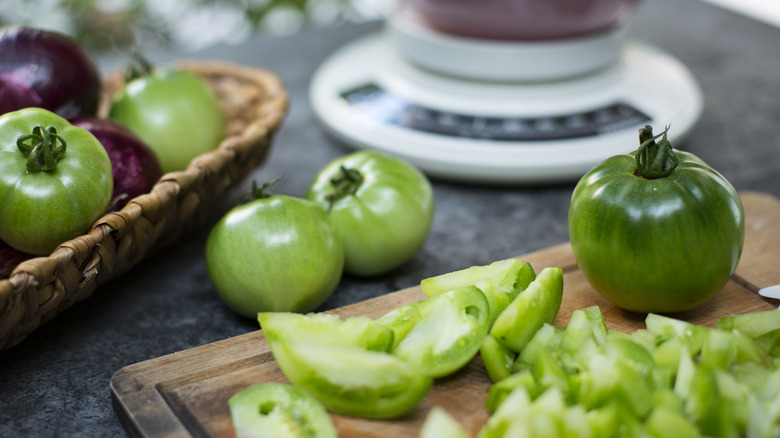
(135, 167)
(49, 70)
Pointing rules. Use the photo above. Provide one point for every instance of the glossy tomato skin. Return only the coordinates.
(388, 217)
(175, 112)
(40, 210)
(656, 245)
(274, 254)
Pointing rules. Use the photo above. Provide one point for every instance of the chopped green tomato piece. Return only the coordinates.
(449, 333)
(662, 422)
(351, 380)
(530, 310)
(722, 349)
(500, 281)
(498, 359)
(440, 424)
(575, 423)
(355, 331)
(272, 410)
(606, 420)
(548, 337)
(401, 320)
(665, 327)
(763, 327)
(625, 348)
(549, 372)
(511, 417)
(697, 386)
(500, 390)
(608, 380)
(584, 324)
(752, 324)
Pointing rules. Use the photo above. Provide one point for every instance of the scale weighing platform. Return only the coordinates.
(498, 128)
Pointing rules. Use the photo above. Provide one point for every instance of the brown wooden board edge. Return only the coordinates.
(139, 390)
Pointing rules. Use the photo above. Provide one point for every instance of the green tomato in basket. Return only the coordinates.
(174, 111)
(656, 230)
(381, 207)
(55, 180)
(275, 253)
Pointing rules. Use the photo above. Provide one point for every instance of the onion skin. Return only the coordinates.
(133, 164)
(45, 69)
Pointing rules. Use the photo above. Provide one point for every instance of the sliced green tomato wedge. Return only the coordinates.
(448, 334)
(440, 424)
(271, 410)
(530, 310)
(691, 335)
(401, 320)
(500, 281)
(498, 359)
(356, 331)
(351, 380)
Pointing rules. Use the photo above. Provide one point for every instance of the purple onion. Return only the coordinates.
(134, 166)
(46, 69)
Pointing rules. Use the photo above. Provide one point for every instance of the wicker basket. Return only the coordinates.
(255, 103)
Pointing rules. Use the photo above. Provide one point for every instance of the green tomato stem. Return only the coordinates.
(654, 160)
(138, 67)
(258, 192)
(43, 148)
(347, 184)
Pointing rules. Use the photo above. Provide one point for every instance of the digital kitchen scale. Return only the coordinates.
(501, 112)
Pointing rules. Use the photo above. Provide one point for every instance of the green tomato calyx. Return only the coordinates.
(43, 148)
(258, 192)
(138, 67)
(344, 185)
(654, 160)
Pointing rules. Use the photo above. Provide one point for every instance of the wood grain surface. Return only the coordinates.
(186, 393)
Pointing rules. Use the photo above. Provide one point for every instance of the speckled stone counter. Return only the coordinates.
(55, 384)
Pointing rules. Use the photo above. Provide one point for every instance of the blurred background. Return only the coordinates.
(184, 25)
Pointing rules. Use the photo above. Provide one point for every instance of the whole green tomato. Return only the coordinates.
(656, 230)
(275, 253)
(55, 180)
(173, 111)
(381, 207)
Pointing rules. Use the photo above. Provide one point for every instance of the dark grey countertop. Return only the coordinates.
(55, 383)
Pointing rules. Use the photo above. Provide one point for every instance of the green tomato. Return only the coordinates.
(275, 253)
(279, 410)
(175, 112)
(55, 180)
(382, 209)
(656, 238)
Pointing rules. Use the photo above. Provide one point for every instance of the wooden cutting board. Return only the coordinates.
(186, 393)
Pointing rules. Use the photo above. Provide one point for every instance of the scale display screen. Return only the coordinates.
(374, 102)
